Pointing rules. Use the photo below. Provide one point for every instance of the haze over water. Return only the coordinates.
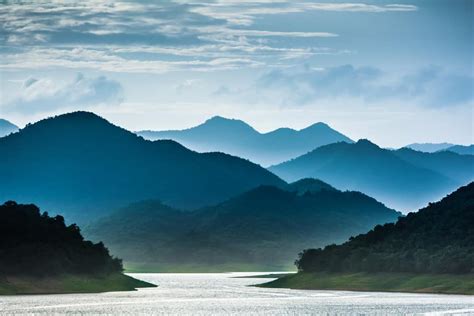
(224, 294)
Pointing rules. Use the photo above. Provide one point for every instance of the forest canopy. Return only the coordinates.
(33, 243)
(437, 239)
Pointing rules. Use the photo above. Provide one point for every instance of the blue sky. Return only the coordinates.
(395, 72)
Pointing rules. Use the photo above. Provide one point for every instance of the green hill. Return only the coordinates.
(428, 251)
(259, 229)
(40, 254)
(437, 239)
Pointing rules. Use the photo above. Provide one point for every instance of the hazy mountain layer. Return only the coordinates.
(429, 147)
(262, 227)
(81, 164)
(7, 127)
(403, 179)
(463, 150)
(236, 137)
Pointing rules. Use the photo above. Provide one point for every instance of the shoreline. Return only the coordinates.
(377, 282)
(69, 284)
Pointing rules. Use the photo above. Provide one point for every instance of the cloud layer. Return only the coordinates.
(46, 95)
(430, 86)
(161, 36)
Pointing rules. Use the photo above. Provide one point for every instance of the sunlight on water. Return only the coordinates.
(224, 294)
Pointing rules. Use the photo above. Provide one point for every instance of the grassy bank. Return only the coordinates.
(69, 284)
(384, 282)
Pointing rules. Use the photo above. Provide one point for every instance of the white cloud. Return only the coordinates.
(45, 95)
(429, 87)
(160, 37)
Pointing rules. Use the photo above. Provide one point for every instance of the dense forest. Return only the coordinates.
(34, 244)
(437, 239)
(263, 227)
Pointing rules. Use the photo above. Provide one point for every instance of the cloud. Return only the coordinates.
(161, 36)
(45, 95)
(430, 86)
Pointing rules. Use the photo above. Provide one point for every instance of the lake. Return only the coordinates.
(226, 294)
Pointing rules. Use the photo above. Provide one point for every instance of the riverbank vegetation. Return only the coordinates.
(431, 250)
(40, 254)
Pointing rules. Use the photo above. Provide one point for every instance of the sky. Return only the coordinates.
(395, 72)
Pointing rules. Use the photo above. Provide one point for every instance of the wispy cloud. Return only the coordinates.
(160, 37)
(44, 95)
(428, 87)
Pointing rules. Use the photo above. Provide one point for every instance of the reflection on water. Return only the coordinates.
(223, 294)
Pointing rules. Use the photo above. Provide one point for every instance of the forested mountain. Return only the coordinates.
(403, 179)
(462, 150)
(429, 147)
(7, 127)
(459, 168)
(437, 239)
(33, 243)
(260, 228)
(236, 137)
(81, 164)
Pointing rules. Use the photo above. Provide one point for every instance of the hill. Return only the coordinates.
(237, 138)
(38, 251)
(429, 147)
(459, 168)
(462, 150)
(83, 165)
(437, 239)
(257, 229)
(403, 179)
(422, 252)
(7, 127)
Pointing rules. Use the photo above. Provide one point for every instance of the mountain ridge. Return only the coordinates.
(7, 127)
(76, 153)
(252, 228)
(238, 138)
(403, 181)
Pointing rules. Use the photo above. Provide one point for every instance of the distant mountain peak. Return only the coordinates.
(429, 147)
(310, 185)
(80, 122)
(81, 115)
(236, 137)
(366, 143)
(223, 122)
(7, 127)
(318, 125)
(221, 119)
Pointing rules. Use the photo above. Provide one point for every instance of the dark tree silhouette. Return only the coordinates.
(33, 243)
(437, 239)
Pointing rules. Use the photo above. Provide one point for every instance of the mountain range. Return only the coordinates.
(429, 147)
(404, 179)
(435, 147)
(7, 127)
(462, 150)
(259, 229)
(83, 165)
(237, 138)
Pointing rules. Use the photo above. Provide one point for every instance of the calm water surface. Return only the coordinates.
(223, 294)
